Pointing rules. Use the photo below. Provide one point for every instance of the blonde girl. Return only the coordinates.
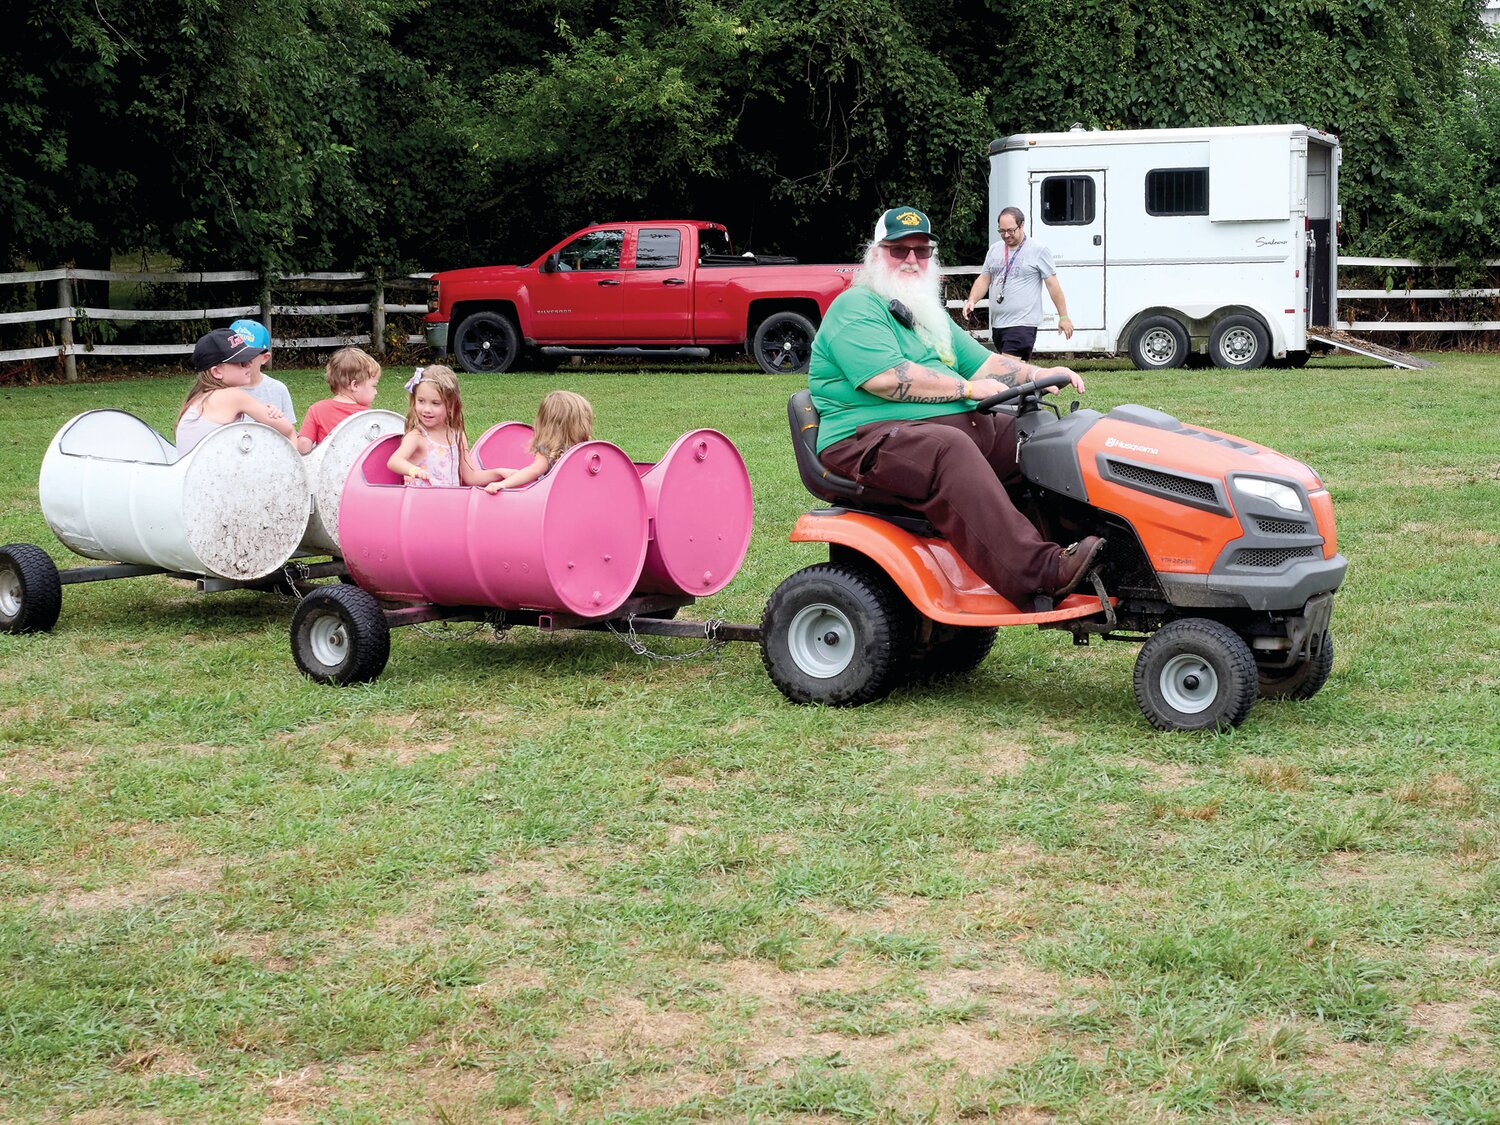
(225, 365)
(435, 450)
(562, 421)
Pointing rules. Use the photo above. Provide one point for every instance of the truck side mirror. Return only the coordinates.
(549, 264)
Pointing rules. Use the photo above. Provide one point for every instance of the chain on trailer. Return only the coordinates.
(714, 646)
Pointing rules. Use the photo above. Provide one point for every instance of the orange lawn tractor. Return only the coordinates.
(1220, 556)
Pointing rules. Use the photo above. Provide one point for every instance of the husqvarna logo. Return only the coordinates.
(1116, 443)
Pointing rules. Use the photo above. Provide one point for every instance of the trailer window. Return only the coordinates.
(1068, 201)
(1177, 191)
(658, 248)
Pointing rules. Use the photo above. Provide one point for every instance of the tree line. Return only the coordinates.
(388, 134)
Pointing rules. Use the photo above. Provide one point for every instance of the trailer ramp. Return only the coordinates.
(1336, 338)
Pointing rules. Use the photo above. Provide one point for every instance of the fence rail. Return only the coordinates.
(66, 313)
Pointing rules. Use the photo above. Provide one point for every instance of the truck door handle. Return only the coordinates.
(674, 281)
(1098, 240)
(608, 281)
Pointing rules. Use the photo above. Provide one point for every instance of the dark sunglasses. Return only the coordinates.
(900, 253)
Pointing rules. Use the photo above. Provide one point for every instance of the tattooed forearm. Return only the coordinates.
(905, 389)
(1009, 370)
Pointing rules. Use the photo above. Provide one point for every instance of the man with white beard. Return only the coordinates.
(897, 414)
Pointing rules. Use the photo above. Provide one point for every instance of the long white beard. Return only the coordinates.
(921, 292)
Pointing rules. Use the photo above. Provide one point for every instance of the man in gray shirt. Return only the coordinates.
(1015, 270)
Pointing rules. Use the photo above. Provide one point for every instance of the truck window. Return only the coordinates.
(1068, 201)
(658, 248)
(597, 250)
(711, 241)
(1177, 191)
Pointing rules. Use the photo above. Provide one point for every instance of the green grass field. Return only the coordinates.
(538, 878)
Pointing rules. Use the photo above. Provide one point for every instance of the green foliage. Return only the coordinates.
(301, 133)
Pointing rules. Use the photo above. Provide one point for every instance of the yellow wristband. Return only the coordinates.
(968, 389)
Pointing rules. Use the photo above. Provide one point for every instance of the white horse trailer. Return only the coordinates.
(1170, 240)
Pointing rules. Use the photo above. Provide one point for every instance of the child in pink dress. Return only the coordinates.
(435, 451)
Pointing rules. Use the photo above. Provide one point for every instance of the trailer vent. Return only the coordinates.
(1200, 490)
(1273, 526)
(1271, 556)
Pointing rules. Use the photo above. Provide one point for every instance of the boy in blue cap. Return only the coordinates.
(265, 389)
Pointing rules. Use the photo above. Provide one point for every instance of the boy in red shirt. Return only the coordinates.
(353, 376)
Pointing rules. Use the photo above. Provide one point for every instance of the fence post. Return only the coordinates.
(265, 301)
(377, 314)
(65, 299)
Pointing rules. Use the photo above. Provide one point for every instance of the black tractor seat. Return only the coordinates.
(838, 490)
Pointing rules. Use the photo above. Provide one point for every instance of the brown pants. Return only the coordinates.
(954, 470)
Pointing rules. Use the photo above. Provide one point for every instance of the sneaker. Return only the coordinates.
(1077, 559)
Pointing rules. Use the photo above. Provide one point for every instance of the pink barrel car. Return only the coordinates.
(599, 538)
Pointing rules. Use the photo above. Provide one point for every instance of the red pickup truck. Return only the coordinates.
(668, 288)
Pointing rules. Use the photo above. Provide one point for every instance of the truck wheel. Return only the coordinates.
(1157, 343)
(340, 636)
(486, 343)
(1195, 674)
(1303, 680)
(835, 634)
(783, 343)
(1239, 341)
(30, 591)
(953, 651)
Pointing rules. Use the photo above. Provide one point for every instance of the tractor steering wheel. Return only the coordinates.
(1027, 393)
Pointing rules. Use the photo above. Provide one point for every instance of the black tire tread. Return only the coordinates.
(958, 652)
(365, 624)
(1302, 681)
(41, 589)
(795, 319)
(512, 334)
(886, 612)
(1213, 639)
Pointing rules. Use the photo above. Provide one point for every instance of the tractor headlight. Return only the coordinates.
(1284, 496)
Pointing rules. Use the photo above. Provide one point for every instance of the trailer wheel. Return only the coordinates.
(835, 634)
(340, 636)
(1158, 343)
(783, 343)
(486, 343)
(30, 591)
(1195, 674)
(953, 651)
(1239, 341)
(1302, 680)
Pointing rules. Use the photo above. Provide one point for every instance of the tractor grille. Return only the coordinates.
(1164, 482)
(1273, 526)
(1271, 556)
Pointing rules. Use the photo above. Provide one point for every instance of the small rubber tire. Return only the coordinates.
(783, 343)
(953, 651)
(1302, 680)
(486, 343)
(1159, 343)
(30, 590)
(1195, 674)
(836, 634)
(340, 636)
(1239, 342)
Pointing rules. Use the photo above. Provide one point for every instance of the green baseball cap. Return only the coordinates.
(899, 222)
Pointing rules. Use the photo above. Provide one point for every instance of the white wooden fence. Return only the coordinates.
(65, 312)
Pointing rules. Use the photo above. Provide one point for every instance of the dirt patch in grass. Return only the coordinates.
(1438, 791)
(190, 877)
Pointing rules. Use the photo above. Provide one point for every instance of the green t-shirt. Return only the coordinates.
(859, 339)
